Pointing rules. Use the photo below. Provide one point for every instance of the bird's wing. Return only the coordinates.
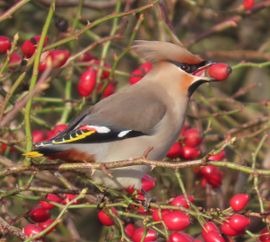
(121, 116)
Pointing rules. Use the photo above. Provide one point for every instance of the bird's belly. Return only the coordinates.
(131, 149)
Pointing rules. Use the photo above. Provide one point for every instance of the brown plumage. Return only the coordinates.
(157, 51)
(147, 114)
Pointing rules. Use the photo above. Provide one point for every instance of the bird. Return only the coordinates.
(142, 116)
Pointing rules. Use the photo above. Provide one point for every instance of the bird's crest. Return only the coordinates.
(155, 51)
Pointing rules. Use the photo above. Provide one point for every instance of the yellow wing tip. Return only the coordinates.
(33, 154)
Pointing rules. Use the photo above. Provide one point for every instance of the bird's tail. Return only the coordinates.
(32, 154)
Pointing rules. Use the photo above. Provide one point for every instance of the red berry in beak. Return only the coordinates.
(219, 71)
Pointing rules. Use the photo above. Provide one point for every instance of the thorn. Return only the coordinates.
(93, 171)
(152, 167)
(105, 170)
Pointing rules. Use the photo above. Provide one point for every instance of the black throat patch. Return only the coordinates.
(194, 86)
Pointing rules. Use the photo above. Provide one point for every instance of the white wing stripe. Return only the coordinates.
(123, 133)
(100, 129)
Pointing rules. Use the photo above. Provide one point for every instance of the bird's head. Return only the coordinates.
(178, 63)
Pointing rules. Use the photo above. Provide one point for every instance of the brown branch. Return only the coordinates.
(98, 5)
(6, 228)
(228, 23)
(41, 85)
(238, 55)
(231, 22)
(126, 163)
(13, 9)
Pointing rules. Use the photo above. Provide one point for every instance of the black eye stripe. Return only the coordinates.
(189, 68)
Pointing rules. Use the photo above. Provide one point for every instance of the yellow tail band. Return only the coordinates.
(33, 154)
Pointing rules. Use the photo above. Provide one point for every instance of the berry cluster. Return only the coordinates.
(175, 215)
(139, 73)
(53, 59)
(178, 219)
(40, 215)
(88, 79)
(188, 148)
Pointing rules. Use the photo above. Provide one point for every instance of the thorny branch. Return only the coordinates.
(125, 163)
(225, 113)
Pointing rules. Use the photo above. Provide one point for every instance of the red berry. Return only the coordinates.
(28, 48)
(105, 73)
(15, 60)
(53, 58)
(148, 183)
(180, 237)
(46, 224)
(129, 230)
(209, 227)
(50, 197)
(211, 233)
(142, 210)
(69, 197)
(105, 218)
(135, 76)
(59, 57)
(175, 150)
(31, 229)
(139, 195)
(264, 235)
(3, 148)
(192, 137)
(108, 91)
(213, 237)
(203, 182)
(190, 153)
(212, 175)
(87, 82)
(151, 235)
(219, 71)
(39, 214)
(38, 136)
(239, 201)
(36, 39)
(45, 57)
(217, 157)
(139, 73)
(180, 201)
(238, 222)
(56, 130)
(146, 67)
(176, 220)
(4, 44)
(228, 230)
(248, 4)
(130, 190)
(85, 57)
(54, 198)
(157, 214)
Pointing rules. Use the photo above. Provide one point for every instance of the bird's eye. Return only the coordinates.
(189, 68)
(186, 68)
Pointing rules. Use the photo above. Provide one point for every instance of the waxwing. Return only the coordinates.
(148, 114)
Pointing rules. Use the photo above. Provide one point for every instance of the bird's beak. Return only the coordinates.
(213, 71)
(210, 72)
